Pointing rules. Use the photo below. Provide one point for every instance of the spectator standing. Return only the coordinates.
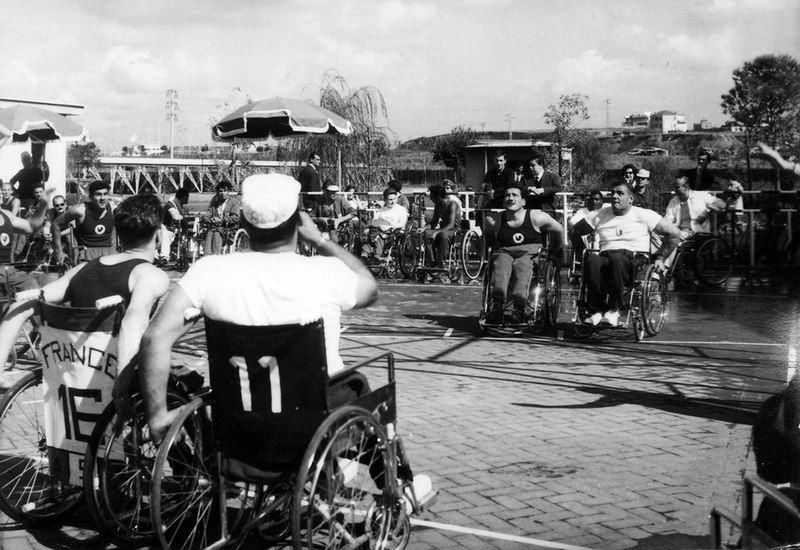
(702, 178)
(629, 174)
(542, 187)
(309, 180)
(495, 181)
(26, 178)
(644, 195)
(94, 224)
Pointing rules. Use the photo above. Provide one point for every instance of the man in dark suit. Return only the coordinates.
(309, 180)
(702, 178)
(542, 187)
(496, 180)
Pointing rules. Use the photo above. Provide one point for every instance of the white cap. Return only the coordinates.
(642, 173)
(268, 200)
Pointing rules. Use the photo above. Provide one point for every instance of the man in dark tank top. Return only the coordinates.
(129, 273)
(515, 237)
(94, 223)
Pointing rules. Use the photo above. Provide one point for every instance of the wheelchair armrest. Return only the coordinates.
(26, 295)
(389, 362)
(108, 301)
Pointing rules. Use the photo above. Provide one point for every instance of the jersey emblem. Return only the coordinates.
(5, 239)
(99, 229)
(518, 238)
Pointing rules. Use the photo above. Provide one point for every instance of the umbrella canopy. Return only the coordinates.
(24, 122)
(279, 117)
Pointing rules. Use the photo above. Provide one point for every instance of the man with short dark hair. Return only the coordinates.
(269, 285)
(221, 218)
(129, 274)
(496, 180)
(446, 220)
(309, 180)
(624, 231)
(702, 178)
(516, 237)
(94, 224)
(542, 187)
(173, 218)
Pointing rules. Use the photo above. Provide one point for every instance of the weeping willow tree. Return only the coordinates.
(364, 153)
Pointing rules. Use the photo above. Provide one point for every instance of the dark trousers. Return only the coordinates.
(441, 245)
(607, 274)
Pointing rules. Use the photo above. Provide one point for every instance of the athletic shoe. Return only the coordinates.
(611, 317)
(593, 319)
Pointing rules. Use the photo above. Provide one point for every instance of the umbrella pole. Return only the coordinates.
(339, 163)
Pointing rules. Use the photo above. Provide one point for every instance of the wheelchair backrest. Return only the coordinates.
(78, 352)
(270, 389)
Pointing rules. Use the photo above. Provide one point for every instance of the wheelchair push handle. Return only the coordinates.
(108, 301)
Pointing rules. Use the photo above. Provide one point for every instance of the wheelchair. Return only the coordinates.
(61, 444)
(544, 297)
(388, 263)
(273, 451)
(464, 256)
(644, 302)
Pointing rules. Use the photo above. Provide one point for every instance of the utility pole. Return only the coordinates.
(607, 102)
(172, 116)
(509, 119)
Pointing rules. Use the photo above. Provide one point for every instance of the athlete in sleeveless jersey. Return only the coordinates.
(129, 273)
(515, 237)
(94, 224)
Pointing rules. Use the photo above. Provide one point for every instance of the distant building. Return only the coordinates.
(734, 127)
(668, 122)
(637, 121)
(702, 125)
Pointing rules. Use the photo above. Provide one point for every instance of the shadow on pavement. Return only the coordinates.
(722, 410)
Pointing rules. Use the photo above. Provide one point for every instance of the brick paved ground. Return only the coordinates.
(603, 443)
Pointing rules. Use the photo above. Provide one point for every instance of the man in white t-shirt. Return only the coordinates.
(690, 209)
(624, 233)
(387, 218)
(268, 285)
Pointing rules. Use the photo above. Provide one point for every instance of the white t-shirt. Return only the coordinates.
(390, 218)
(257, 288)
(627, 232)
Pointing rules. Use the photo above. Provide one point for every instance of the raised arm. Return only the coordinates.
(366, 287)
(32, 223)
(76, 212)
(776, 158)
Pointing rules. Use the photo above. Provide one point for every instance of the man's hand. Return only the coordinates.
(660, 265)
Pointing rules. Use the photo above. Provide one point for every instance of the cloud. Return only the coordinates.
(129, 70)
(588, 72)
(714, 49)
(18, 77)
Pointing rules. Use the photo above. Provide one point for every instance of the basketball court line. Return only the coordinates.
(491, 534)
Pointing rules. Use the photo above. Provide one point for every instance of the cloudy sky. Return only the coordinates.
(490, 64)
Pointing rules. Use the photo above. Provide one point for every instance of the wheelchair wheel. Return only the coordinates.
(713, 261)
(241, 241)
(552, 293)
(117, 473)
(26, 346)
(409, 255)
(472, 254)
(654, 301)
(28, 493)
(346, 491)
(186, 491)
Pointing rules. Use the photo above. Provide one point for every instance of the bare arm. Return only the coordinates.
(776, 158)
(76, 212)
(149, 284)
(366, 287)
(32, 223)
(154, 359)
(546, 222)
(672, 237)
(452, 208)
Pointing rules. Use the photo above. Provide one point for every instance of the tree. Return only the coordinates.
(82, 156)
(449, 148)
(563, 116)
(765, 99)
(364, 152)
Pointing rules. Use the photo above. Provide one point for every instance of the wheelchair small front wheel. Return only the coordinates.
(582, 331)
(638, 328)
